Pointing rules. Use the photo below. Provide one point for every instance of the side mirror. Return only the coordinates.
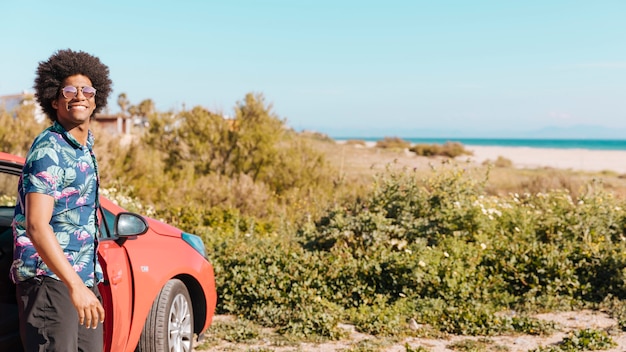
(130, 224)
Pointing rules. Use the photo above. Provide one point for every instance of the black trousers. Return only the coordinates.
(49, 321)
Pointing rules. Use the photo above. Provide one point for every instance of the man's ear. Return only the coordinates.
(55, 104)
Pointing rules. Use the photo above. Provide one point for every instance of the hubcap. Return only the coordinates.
(179, 329)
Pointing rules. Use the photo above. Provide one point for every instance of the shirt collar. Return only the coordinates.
(58, 128)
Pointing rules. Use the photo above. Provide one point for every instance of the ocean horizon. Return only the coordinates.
(556, 143)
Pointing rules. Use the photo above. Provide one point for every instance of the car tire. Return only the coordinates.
(169, 325)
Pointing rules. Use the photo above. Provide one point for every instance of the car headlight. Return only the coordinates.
(195, 242)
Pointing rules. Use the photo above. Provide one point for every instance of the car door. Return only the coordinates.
(117, 288)
(9, 321)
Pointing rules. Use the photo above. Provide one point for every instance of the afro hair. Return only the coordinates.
(66, 63)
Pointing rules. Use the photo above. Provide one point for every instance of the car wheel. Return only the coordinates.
(169, 326)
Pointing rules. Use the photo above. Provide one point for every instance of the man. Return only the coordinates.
(55, 265)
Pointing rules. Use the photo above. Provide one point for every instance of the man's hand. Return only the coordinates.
(89, 308)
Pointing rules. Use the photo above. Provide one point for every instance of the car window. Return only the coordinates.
(8, 189)
(107, 221)
(8, 197)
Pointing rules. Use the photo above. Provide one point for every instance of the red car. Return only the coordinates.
(159, 288)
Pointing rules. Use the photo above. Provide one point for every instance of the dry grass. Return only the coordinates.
(357, 164)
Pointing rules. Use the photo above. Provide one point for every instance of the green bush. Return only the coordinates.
(382, 318)
(238, 330)
(462, 257)
(276, 284)
(582, 340)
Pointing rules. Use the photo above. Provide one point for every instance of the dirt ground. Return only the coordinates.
(566, 322)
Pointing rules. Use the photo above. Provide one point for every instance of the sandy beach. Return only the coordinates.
(533, 158)
(574, 159)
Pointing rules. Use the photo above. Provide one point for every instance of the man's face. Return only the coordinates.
(76, 110)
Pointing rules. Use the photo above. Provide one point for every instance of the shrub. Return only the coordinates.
(276, 284)
(18, 129)
(454, 149)
(581, 340)
(500, 162)
(250, 162)
(426, 149)
(587, 339)
(356, 142)
(440, 242)
(383, 318)
(616, 309)
(392, 143)
(448, 149)
(560, 247)
(237, 330)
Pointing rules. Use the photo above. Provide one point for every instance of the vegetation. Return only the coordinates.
(18, 128)
(393, 143)
(300, 248)
(356, 142)
(582, 340)
(500, 162)
(448, 149)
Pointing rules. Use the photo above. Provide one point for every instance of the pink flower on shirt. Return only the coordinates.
(83, 166)
(79, 267)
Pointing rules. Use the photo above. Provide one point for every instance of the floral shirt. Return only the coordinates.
(59, 166)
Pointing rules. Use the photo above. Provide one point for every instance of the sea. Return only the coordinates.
(591, 144)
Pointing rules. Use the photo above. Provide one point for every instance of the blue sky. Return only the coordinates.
(346, 67)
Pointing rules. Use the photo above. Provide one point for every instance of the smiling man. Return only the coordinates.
(55, 264)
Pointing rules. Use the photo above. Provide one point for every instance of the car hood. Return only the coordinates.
(162, 228)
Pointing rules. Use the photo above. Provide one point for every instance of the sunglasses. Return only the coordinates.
(70, 92)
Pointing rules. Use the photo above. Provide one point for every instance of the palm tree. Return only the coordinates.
(123, 102)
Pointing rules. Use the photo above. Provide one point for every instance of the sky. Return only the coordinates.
(347, 68)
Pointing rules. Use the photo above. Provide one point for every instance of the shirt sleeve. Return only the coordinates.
(42, 173)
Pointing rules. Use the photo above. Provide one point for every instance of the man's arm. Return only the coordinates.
(39, 209)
